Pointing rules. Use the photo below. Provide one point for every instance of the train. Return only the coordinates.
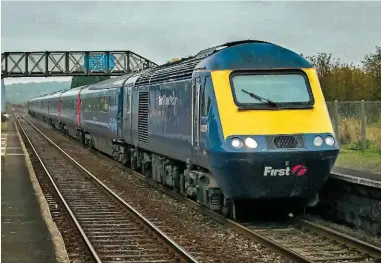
(241, 121)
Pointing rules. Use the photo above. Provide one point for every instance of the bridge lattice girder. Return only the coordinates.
(71, 63)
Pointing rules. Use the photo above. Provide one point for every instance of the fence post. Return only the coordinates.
(363, 125)
(336, 117)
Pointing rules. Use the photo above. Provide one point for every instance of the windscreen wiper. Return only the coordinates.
(267, 101)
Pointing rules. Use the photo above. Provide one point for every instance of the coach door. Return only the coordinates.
(196, 87)
(119, 116)
(127, 108)
(129, 113)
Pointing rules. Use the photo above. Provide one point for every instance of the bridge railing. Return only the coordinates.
(71, 63)
(357, 124)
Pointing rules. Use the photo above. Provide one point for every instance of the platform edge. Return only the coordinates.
(355, 180)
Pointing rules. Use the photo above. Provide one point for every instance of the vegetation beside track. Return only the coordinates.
(4, 126)
(369, 161)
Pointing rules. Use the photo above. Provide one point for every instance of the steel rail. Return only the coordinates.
(363, 246)
(62, 199)
(181, 251)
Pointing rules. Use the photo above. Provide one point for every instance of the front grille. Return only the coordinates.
(285, 141)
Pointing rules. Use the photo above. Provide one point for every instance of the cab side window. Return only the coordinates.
(205, 98)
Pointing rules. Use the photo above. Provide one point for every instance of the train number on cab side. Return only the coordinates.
(204, 128)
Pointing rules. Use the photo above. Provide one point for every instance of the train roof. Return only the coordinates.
(116, 82)
(255, 55)
(73, 91)
(246, 54)
(55, 94)
(48, 95)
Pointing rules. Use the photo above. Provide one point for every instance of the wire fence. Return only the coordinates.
(357, 124)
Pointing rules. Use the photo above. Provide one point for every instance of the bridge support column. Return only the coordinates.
(3, 100)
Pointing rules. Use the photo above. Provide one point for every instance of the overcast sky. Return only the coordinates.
(160, 31)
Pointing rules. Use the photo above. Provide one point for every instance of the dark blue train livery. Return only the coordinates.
(246, 120)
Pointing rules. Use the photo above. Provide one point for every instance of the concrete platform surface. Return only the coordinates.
(356, 176)
(25, 236)
(3, 142)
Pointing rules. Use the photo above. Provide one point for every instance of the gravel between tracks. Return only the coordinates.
(188, 227)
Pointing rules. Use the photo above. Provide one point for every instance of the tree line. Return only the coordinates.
(339, 81)
(342, 81)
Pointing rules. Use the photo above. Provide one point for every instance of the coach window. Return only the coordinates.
(88, 104)
(94, 104)
(100, 103)
(104, 104)
(107, 103)
(91, 104)
(205, 99)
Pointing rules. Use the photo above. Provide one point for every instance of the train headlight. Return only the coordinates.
(237, 143)
(329, 140)
(318, 141)
(251, 143)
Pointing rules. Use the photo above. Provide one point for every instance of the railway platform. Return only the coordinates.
(26, 234)
(356, 176)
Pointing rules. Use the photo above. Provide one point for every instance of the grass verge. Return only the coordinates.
(369, 161)
(4, 126)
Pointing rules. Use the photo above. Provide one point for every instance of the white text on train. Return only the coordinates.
(276, 172)
(164, 100)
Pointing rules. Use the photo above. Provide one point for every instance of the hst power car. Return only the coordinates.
(246, 120)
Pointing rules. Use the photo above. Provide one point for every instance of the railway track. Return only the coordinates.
(298, 240)
(304, 241)
(112, 229)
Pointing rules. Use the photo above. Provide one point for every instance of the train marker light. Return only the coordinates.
(237, 143)
(329, 140)
(251, 143)
(318, 141)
